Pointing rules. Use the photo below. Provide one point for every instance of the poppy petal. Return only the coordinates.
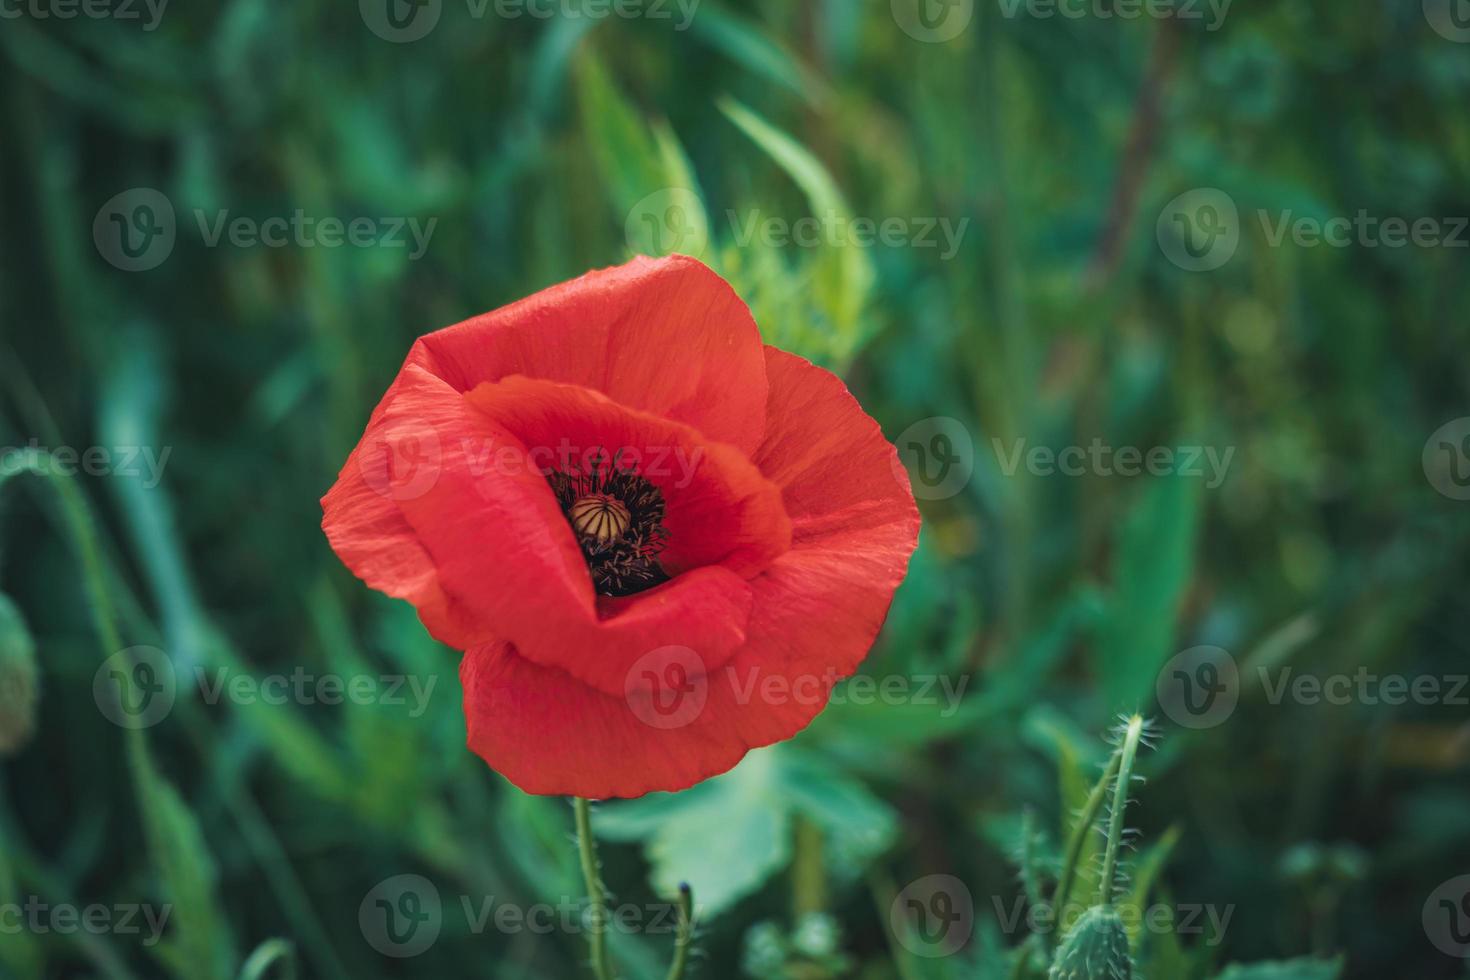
(818, 609)
(660, 335)
(369, 533)
(718, 507)
(505, 553)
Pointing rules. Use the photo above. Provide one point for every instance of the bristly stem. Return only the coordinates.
(1084, 826)
(1126, 755)
(685, 937)
(596, 898)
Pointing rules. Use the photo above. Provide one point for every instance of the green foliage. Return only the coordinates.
(18, 679)
(1047, 602)
(754, 805)
(1299, 969)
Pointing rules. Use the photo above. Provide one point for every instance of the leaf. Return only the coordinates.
(1152, 567)
(1304, 968)
(858, 824)
(757, 52)
(724, 837)
(198, 945)
(838, 279)
(267, 956)
(1145, 872)
(18, 679)
(20, 953)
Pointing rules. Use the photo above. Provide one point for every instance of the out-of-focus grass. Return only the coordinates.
(534, 146)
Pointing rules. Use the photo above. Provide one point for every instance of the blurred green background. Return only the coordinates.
(1084, 302)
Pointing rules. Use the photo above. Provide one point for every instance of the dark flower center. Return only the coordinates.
(618, 518)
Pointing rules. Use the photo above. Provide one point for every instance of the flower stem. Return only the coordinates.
(597, 899)
(1126, 756)
(1079, 838)
(685, 937)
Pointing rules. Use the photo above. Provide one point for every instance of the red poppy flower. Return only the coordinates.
(658, 542)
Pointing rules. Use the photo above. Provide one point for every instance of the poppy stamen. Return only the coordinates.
(618, 516)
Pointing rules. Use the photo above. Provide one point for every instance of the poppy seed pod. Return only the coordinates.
(1095, 949)
(18, 683)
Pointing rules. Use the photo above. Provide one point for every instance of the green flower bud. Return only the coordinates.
(18, 684)
(1095, 949)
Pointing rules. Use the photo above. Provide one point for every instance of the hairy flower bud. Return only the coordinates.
(1095, 949)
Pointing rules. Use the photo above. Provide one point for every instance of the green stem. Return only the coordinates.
(685, 938)
(597, 900)
(1079, 837)
(1120, 803)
